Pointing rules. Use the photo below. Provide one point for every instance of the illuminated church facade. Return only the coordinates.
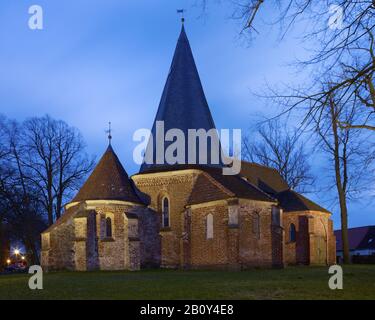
(186, 216)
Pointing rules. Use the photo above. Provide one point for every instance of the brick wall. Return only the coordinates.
(177, 186)
(315, 241)
(255, 249)
(210, 252)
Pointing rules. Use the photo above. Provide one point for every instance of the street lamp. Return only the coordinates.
(16, 252)
(8, 261)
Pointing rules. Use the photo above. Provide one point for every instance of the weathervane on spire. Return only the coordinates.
(181, 11)
(109, 131)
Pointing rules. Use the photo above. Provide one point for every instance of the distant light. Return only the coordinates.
(23, 258)
(8, 261)
(16, 252)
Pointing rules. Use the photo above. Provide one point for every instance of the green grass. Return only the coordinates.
(289, 283)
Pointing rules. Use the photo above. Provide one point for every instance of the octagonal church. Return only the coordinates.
(186, 216)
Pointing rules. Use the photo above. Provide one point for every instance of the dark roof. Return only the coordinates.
(359, 238)
(108, 181)
(207, 189)
(290, 200)
(183, 104)
(239, 186)
(228, 185)
(266, 178)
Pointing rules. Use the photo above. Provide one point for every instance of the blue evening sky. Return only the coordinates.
(98, 61)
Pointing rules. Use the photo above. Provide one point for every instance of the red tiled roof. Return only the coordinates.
(205, 189)
(108, 181)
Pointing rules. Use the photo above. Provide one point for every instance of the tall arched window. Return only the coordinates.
(292, 233)
(256, 225)
(209, 226)
(108, 227)
(165, 212)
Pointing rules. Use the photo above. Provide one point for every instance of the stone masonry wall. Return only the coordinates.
(80, 242)
(113, 252)
(58, 248)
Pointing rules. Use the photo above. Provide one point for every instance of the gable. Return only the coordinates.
(265, 178)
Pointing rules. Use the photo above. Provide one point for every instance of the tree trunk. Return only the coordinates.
(31, 251)
(339, 185)
(49, 196)
(58, 206)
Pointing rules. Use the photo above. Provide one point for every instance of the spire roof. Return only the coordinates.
(108, 181)
(183, 104)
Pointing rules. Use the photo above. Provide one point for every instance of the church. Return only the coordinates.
(186, 215)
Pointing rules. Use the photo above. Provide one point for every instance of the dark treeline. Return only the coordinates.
(42, 162)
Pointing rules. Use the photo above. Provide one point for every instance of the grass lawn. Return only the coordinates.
(290, 283)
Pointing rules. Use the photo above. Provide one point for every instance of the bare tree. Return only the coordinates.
(340, 36)
(341, 39)
(55, 160)
(347, 152)
(72, 163)
(4, 152)
(276, 147)
(20, 203)
(41, 162)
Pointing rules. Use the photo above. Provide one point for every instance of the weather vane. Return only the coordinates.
(181, 11)
(109, 131)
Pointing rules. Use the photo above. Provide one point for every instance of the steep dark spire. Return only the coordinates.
(183, 104)
(108, 181)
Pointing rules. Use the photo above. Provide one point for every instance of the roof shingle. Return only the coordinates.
(183, 104)
(108, 181)
(266, 178)
(290, 200)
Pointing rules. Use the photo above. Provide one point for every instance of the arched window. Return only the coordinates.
(256, 225)
(292, 233)
(165, 212)
(209, 226)
(108, 227)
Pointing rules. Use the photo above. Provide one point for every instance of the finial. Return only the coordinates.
(181, 11)
(109, 131)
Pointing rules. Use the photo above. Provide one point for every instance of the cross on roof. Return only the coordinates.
(109, 131)
(181, 12)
